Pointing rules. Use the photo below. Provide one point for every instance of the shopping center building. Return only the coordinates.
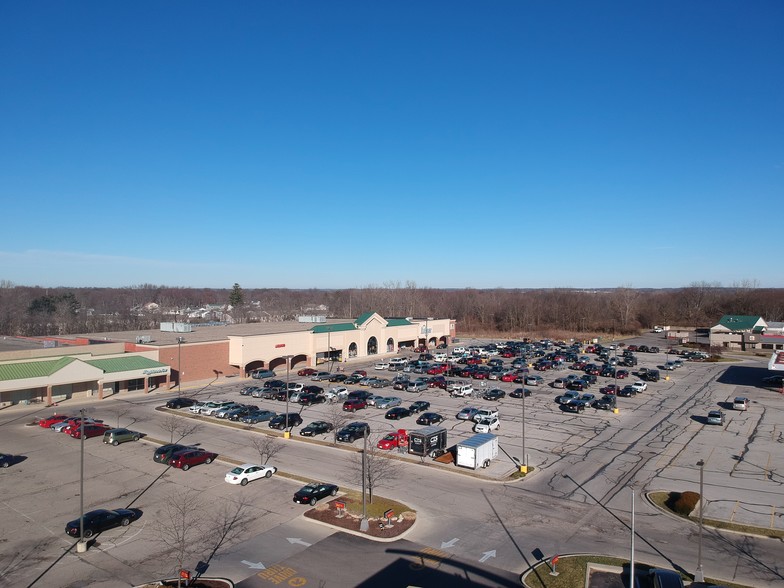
(51, 369)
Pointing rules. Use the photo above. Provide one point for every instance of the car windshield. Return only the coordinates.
(307, 490)
(237, 470)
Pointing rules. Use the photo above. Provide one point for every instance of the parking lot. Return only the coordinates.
(655, 442)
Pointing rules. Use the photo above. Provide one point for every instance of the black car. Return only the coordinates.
(309, 399)
(313, 390)
(180, 402)
(249, 390)
(429, 418)
(396, 413)
(651, 376)
(274, 384)
(164, 452)
(494, 394)
(606, 402)
(279, 420)
(312, 493)
(282, 395)
(419, 406)
(518, 393)
(316, 428)
(359, 395)
(338, 377)
(574, 406)
(6, 460)
(97, 521)
(353, 431)
(353, 379)
(627, 392)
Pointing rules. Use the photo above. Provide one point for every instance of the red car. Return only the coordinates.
(632, 348)
(53, 420)
(76, 422)
(621, 374)
(91, 430)
(362, 373)
(354, 404)
(510, 377)
(437, 382)
(306, 372)
(191, 457)
(610, 389)
(479, 375)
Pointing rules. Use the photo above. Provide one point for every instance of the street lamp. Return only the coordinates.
(364, 524)
(180, 341)
(287, 433)
(523, 460)
(699, 576)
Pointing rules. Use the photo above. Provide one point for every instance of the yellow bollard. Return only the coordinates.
(523, 469)
(666, 378)
(287, 434)
(616, 411)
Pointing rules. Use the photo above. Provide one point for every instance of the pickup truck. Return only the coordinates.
(397, 438)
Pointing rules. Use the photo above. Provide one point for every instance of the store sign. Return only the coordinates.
(154, 371)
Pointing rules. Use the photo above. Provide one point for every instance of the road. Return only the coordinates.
(587, 467)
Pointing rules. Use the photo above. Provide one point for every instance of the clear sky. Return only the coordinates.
(328, 144)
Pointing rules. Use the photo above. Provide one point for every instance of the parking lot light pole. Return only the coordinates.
(364, 525)
(286, 432)
(523, 460)
(699, 576)
(180, 341)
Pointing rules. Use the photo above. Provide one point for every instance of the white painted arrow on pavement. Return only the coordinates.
(254, 566)
(450, 543)
(487, 555)
(298, 541)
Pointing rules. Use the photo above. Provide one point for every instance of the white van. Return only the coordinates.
(458, 351)
(398, 361)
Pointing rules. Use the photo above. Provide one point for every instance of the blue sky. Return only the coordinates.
(343, 144)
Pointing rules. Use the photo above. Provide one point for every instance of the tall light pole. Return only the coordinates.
(523, 460)
(287, 433)
(364, 525)
(699, 576)
(180, 341)
(631, 561)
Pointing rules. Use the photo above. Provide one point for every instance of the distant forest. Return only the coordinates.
(36, 311)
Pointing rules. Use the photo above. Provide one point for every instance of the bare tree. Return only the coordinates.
(336, 417)
(118, 411)
(379, 468)
(182, 527)
(178, 427)
(267, 446)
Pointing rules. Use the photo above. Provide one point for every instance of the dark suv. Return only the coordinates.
(353, 431)
(279, 421)
(163, 454)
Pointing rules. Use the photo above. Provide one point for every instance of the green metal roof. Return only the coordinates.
(737, 322)
(125, 363)
(398, 322)
(33, 369)
(364, 317)
(334, 328)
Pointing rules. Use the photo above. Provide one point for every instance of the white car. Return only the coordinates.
(381, 365)
(740, 403)
(373, 399)
(337, 393)
(639, 386)
(248, 472)
(486, 413)
(296, 386)
(486, 425)
(389, 402)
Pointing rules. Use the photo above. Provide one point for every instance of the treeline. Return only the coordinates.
(34, 311)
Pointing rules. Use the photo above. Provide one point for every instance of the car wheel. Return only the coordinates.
(208, 460)
(334, 491)
(136, 437)
(313, 502)
(486, 464)
(115, 443)
(88, 533)
(268, 474)
(186, 467)
(125, 522)
(244, 482)
(5, 464)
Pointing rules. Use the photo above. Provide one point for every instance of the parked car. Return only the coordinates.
(306, 372)
(534, 380)
(606, 402)
(257, 416)
(117, 436)
(184, 460)
(417, 386)
(381, 365)
(568, 396)
(627, 391)
(429, 418)
(223, 412)
(312, 493)
(98, 521)
(487, 425)
(740, 403)
(353, 431)
(164, 452)
(639, 386)
(319, 376)
(180, 402)
(494, 394)
(248, 472)
(310, 399)
(279, 420)
(715, 417)
(238, 413)
(316, 428)
(7, 460)
(665, 579)
(419, 406)
(519, 392)
(575, 405)
(248, 390)
(354, 404)
(68, 425)
(467, 414)
(262, 374)
(397, 413)
(90, 430)
(389, 402)
(47, 422)
(483, 413)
